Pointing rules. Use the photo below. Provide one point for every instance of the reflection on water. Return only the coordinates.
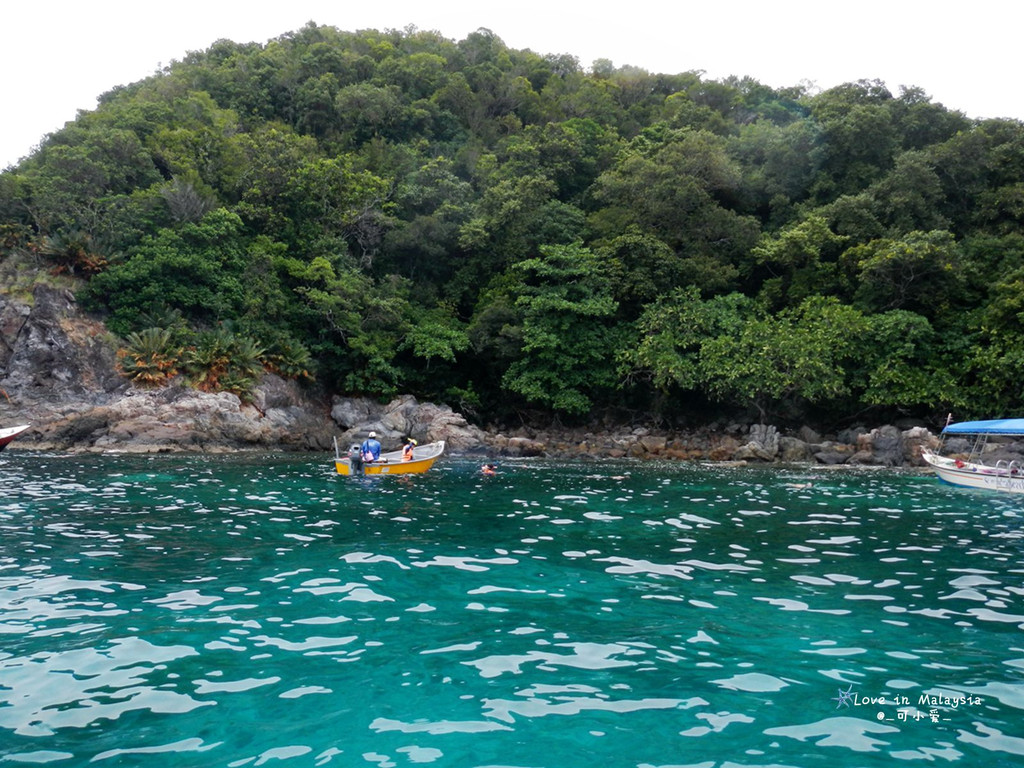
(249, 610)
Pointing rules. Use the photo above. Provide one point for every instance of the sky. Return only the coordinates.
(58, 56)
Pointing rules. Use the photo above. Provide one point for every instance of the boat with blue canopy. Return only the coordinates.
(990, 455)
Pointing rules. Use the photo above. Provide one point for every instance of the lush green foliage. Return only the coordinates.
(390, 212)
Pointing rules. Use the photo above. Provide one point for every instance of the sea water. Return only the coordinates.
(255, 610)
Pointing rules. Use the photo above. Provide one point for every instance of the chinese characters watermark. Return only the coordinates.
(902, 708)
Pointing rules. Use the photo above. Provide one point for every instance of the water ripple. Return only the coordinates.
(168, 608)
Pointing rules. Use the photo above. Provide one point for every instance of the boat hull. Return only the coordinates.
(392, 464)
(8, 434)
(971, 475)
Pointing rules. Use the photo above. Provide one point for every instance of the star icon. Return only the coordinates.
(845, 697)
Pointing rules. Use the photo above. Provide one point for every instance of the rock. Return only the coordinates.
(401, 417)
(723, 449)
(808, 435)
(793, 450)
(915, 440)
(63, 434)
(762, 446)
(179, 418)
(880, 447)
(58, 373)
(958, 445)
(50, 353)
(636, 451)
(887, 446)
(523, 446)
(831, 457)
(351, 412)
(864, 457)
(849, 436)
(653, 444)
(405, 417)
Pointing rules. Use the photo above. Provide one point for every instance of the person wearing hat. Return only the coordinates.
(407, 450)
(371, 448)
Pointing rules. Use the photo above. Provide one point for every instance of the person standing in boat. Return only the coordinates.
(371, 448)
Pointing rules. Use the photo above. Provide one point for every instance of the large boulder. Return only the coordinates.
(405, 417)
(888, 446)
(883, 446)
(832, 453)
(763, 444)
(793, 450)
(915, 440)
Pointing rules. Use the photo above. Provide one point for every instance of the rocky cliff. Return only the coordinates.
(58, 373)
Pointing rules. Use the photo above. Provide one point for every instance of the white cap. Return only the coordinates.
(373, 434)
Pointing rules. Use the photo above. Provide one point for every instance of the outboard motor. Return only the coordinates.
(355, 459)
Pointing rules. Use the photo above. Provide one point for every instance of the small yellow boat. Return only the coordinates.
(391, 463)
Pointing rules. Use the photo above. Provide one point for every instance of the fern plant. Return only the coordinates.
(150, 357)
(220, 361)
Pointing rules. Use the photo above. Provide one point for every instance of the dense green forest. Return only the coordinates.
(524, 238)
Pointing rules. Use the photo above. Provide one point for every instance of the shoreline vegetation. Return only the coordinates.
(63, 378)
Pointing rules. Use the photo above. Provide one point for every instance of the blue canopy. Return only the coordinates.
(993, 427)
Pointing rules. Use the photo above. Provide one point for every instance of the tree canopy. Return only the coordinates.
(525, 237)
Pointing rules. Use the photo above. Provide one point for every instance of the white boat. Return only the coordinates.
(967, 468)
(8, 434)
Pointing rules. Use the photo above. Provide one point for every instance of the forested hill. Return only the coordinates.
(515, 234)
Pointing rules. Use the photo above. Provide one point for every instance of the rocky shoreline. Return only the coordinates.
(885, 446)
(177, 419)
(58, 374)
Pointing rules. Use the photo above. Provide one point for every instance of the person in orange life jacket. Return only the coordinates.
(371, 448)
(410, 446)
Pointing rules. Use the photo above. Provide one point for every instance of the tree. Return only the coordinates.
(198, 269)
(919, 272)
(431, 204)
(798, 355)
(80, 176)
(995, 358)
(861, 136)
(779, 163)
(564, 302)
(352, 326)
(365, 111)
(678, 186)
(572, 154)
(802, 261)
(150, 358)
(902, 364)
(393, 211)
(273, 155)
(418, 75)
(672, 332)
(507, 227)
(909, 197)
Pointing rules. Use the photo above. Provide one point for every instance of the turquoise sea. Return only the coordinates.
(259, 610)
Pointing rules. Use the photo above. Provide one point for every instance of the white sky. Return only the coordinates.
(58, 56)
